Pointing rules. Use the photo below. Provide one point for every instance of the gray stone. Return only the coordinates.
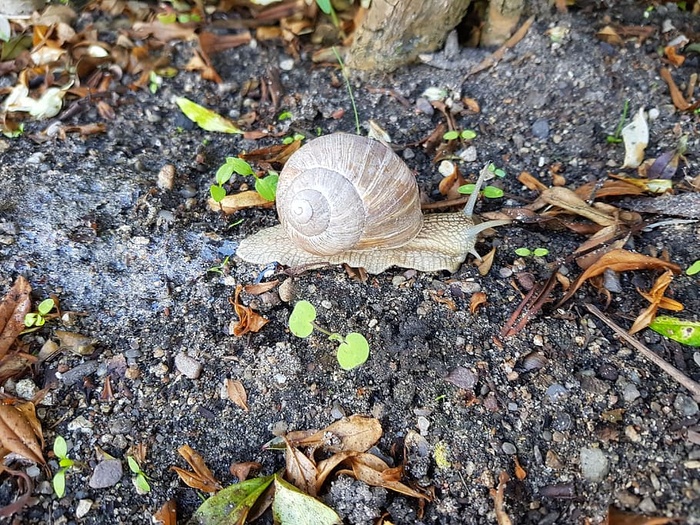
(107, 474)
(188, 366)
(685, 405)
(594, 464)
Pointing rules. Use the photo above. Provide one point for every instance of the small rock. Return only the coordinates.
(647, 506)
(556, 392)
(287, 64)
(608, 372)
(107, 474)
(80, 424)
(540, 128)
(509, 448)
(83, 508)
(552, 460)
(630, 392)
(424, 106)
(188, 366)
(683, 404)
(632, 434)
(594, 464)
(398, 280)
(76, 374)
(166, 177)
(26, 389)
(286, 290)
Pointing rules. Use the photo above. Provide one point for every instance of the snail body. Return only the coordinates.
(349, 199)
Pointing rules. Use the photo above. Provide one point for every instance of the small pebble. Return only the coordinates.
(423, 424)
(188, 366)
(287, 64)
(286, 291)
(337, 412)
(540, 128)
(107, 474)
(594, 464)
(685, 405)
(608, 372)
(630, 392)
(80, 424)
(83, 508)
(509, 448)
(26, 389)
(632, 434)
(166, 177)
(424, 106)
(647, 506)
(398, 280)
(327, 304)
(556, 392)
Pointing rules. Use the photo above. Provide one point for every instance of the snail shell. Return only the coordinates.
(342, 192)
(349, 199)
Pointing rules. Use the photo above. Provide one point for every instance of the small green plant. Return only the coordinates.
(490, 192)
(38, 318)
(140, 479)
(693, 268)
(219, 268)
(265, 186)
(353, 349)
(537, 252)
(154, 82)
(13, 134)
(293, 138)
(285, 115)
(616, 137)
(467, 134)
(60, 450)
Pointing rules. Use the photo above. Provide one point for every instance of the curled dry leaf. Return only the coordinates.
(656, 297)
(258, 288)
(300, 470)
(20, 431)
(498, 496)
(617, 517)
(520, 472)
(167, 514)
(477, 300)
(356, 433)
(619, 261)
(276, 154)
(484, 266)
(370, 469)
(74, 342)
(243, 470)
(239, 201)
(202, 478)
(236, 393)
(248, 319)
(13, 307)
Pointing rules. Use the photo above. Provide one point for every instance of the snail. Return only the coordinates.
(348, 199)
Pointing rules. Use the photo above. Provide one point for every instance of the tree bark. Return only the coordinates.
(395, 32)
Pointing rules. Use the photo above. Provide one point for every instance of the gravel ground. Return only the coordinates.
(591, 422)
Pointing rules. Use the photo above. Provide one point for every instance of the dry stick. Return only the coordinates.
(671, 370)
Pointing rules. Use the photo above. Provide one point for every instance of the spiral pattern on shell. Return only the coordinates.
(342, 192)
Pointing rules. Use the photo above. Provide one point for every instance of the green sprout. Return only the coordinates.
(265, 186)
(38, 318)
(467, 134)
(154, 82)
(693, 268)
(13, 134)
(285, 115)
(353, 349)
(60, 450)
(526, 252)
(219, 268)
(616, 137)
(140, 479)
(498, 172)
(293, 138)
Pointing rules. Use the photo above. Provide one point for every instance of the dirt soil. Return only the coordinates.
(85, 219)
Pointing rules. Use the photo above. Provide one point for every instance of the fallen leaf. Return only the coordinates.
(636, 138)
(236, 393)
(369, 469)
(275, 154)
(357, 433)
(239, 201)
(206, 118)
(520, 472)
(681, 330)
(300, 470)
(484, 266)
(672, 55)
(202, 478)
(619, 261)
(656, 297)
(74, 342)
(676, 96)
(258, 288)
(248, 319)
(498, 496)
(477, 300)
(167, 514)
(292, 507)
(243, 470)
(19, 435)
(610, 36)
(214, 43)
(232, 504)
(13, 308)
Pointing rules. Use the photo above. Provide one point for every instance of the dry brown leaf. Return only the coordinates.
(248, 319)
(300, 471)
(15, 364)
(243, 470)
(74, 342)
(326, 467)
(160, 31)
(607, 239)
(530, 182)
(620, 261)
(236, 393)
(672, 55)
(568, 200)
(167, 514)
(484, 266)
(610, 188)
(276, 154)
(368, 468)
(258, 288)
(20, 435)
(202, 478)
(449, 185)
(656, 297)
(356, 433)
(498, 496)
(211, 43)
(520, 472)
(610, 36)
(13, 307)
(239, 201)
(25, 486)
(477, 300)
(617, 517)
(676, 96)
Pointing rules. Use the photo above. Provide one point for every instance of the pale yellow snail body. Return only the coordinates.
(349, 199)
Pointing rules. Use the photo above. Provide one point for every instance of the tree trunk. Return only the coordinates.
(395, 32)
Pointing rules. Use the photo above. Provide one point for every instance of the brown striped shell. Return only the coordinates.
(341, 192)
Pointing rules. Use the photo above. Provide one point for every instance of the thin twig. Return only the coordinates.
(671, 370)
